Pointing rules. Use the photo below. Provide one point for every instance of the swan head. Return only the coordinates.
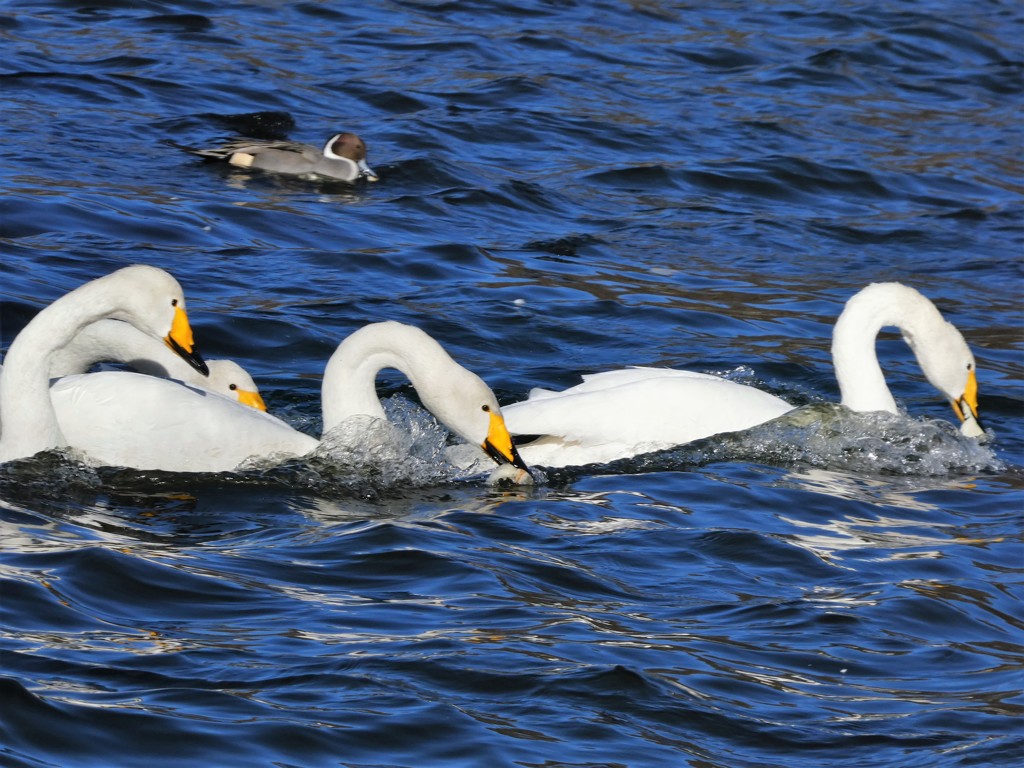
(155, 303)
(469, 408)
(949, 365)
(232, 380)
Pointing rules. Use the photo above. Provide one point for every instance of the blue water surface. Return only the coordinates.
(565, 187)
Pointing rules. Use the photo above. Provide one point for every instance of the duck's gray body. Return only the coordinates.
(342, 157)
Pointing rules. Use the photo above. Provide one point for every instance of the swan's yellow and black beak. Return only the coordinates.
(966, 408)
(499, 445)
(250, 398)
(180, 340)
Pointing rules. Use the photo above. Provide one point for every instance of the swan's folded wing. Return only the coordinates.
(604, 380)
(648, 410)
(636, 374)
(132, 420)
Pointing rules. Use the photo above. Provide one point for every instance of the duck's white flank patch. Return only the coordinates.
(242, 159)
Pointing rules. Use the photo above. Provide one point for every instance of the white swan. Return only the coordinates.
(120, 342)
(618, 414)
(146, 297)
(938, 345)
(199, 432)
(226, 378)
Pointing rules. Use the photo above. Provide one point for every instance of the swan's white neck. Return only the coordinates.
(26, 412)
(120, 342)
(861, 381)
(349, 386)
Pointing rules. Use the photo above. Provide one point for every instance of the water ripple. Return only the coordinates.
(565, 188)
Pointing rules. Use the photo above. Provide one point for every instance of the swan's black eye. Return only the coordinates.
(232, 387)
(174, 302)
(485, 408)
(970, 366)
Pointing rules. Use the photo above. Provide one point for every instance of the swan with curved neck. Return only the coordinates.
(455, 395)
(939, 347)
(119, 342)
(219, 435)
(619, 414)
(144, 296)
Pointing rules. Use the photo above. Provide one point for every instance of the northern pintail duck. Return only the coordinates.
(343, 157)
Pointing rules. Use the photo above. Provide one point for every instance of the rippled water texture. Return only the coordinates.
(564, 188)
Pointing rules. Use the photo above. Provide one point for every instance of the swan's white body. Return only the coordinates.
(146, 297)
(123, 419)
(186, 429)
(618, 414)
